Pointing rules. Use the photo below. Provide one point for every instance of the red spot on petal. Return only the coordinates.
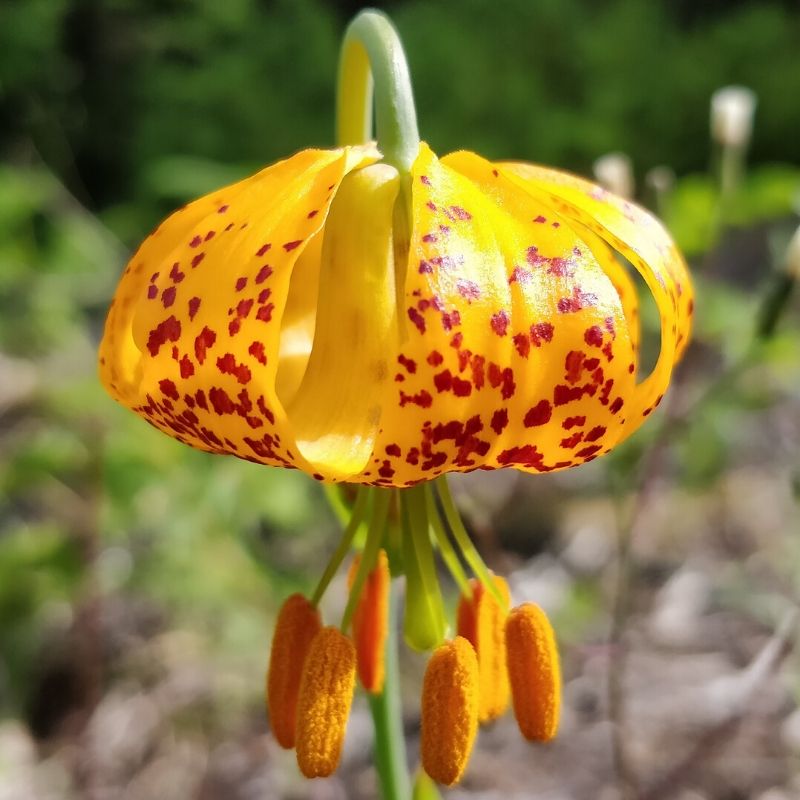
(187, 368)
(289, 246)
(263, 249)
(228, 365)
(256, 350)
(168, 296)
(499, 322)
(408, 363)
(541, 332)
(204, 340)
(194, 304)
(168, 388)
(240, 284)
(499, 420)
(196, 241)
(595, 433)
(417, 319)
(435, 358)
(265, 312)
(168, 330)
(393, 450)
(616, 405)
(539, 415)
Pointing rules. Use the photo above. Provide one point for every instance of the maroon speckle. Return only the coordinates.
(227, 365)
(210, 235)
(243, 307)
(499, 420)
(240, 284)
(539, 415)
(220, 402)
(435, 358)
(616, 405)
(222, 209)
(573, 422)
(408, 363)
(393, 450)
(417, 319)
(152, 292)
(289, 246)
(588, 452)
(197, 259)
(573, 366)
(520, 275)
(168, 388)
(312, 214)
(523, 344)
(593, 336)
(460, 213)
(203, 342)
(443, 381)
(595, 433)
(264, 273)
(541, 332)
(429, 238)
(194, 304)
(461, 388)
(540, 219)
(167, 331)
(263, 249)
(450, 319)
(256, 350)
(422, 399)
(265, 312)
(168, 296)
(196, 242)
(425, 267)
(175, 273)
(425, 179)
(187, 368)
(499, 323)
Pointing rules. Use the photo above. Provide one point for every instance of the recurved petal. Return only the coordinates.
(641, 239)
(192, 339)
(337, 410)
(515, 349)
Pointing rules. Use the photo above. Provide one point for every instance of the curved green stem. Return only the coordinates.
(372, 53)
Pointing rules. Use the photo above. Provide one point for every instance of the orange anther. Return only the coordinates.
(323, 705)
(481, 620)
(298, 623)
(449, 710)
(533, 672)
(371, 623)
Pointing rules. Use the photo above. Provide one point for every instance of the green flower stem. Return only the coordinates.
(390, 746)
(372, 52)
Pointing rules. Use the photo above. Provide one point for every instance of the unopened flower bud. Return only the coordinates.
(614, 171)
(732, 111)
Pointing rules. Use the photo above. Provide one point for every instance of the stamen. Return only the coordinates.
(462, 538)
(481, 621)
(371, 623)
(323, 704)
(449, 710)
(298, 623)
(533, 672)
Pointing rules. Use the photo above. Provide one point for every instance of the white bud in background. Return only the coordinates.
(732, 111)
(660, 180)
(614, 172)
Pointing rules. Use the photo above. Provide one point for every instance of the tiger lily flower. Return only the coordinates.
(378, 316)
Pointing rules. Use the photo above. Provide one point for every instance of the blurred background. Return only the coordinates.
(139, 580)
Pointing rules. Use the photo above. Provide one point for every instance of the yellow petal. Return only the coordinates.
(515, 347)
(337, 409)
(640, 238)
(192, 339)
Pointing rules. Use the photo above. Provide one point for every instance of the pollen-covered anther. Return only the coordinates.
(449, 710)
(298, 624)
(481, 620)
(371, 623)
(323, 704)
(533, 671)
